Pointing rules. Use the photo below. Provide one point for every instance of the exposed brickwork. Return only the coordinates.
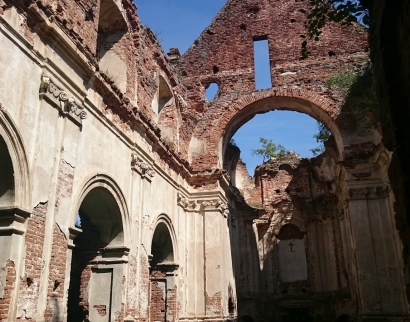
(87, 245)
(101, 309)
(172, 309)
(65, 181)
(300, 193)
(30, 284)
(5, 300)
(213, 305)
(224, 54)
(57, 273)
(158, 296)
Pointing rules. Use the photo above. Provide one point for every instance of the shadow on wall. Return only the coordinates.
(6, 176)
(286, 267)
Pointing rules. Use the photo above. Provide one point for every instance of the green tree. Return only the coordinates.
(344, 12)
(269, 150)
(321, 137)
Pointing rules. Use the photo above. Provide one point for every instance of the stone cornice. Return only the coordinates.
(203, 204)
(12, 220)
(371, 192)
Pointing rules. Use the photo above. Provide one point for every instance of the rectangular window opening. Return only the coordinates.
(262, 62)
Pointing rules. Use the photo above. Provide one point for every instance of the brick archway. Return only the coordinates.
(224, 118)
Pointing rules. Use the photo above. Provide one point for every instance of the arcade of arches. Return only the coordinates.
(121, 198)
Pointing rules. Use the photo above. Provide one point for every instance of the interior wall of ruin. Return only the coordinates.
(80, 132)
(94, 160)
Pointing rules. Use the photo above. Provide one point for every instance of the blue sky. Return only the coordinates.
(178, 23)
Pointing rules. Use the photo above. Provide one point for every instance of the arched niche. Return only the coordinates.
(292, 262)
(162, 272)
(112, 27)
(99, 252)
(165, 107)
(162, 249)
(164, 94)
(100, 209)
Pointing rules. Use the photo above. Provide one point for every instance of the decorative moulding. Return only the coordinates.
(216, 204)
(12, 220)
(185, 203)
(57, 97)
(373, 192)
(142, 168)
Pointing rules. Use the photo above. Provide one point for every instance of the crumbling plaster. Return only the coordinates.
(72, 127)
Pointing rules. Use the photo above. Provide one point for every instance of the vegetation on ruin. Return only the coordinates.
(360, 95)
(344, 12)
(321, 137)
(270, 150)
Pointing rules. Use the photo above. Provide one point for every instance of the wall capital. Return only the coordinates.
(371, 192)
(142, 167)
(61, 100)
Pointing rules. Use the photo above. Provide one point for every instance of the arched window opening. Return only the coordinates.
(211, 91)
(111, 29)
(164, 94)
(7, 184)
(162, 276)
(162, 249)
(99, 218)
(299, 134)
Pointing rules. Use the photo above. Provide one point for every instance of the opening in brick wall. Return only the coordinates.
(211, 91)
(262, 63)
(164, 94)
(100, 220)
(294, 131)
(162, 280)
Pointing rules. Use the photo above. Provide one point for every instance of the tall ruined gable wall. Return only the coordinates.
(224, 54)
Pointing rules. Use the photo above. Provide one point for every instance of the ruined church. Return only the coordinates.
(122, 198)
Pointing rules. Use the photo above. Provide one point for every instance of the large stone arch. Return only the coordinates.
(99, 250)
(163, 269)
(222, 120)
(10, 134)
(15, 205)
(103, 181)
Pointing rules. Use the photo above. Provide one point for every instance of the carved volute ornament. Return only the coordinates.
(66, 104)
(141, 167)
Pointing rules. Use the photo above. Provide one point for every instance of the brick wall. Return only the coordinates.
(5, 301)
(213, 305)
(30, 284)
(224, 54)
(87, 245)
(158, 296)
(56, 277)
